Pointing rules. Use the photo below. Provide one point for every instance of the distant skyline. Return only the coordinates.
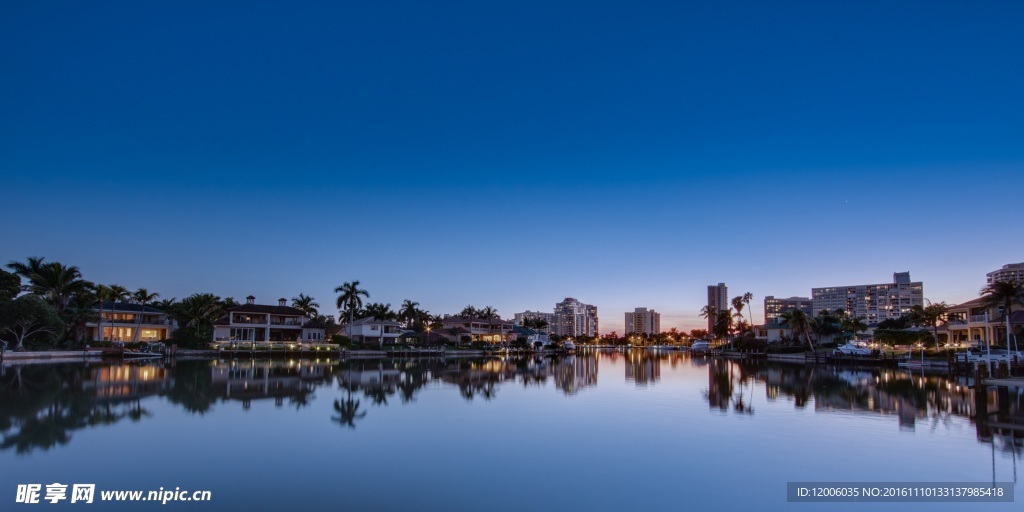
(627, 155)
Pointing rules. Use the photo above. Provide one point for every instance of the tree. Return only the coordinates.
(80, 311)
(381, 313)
(469, 312)
(350, 299)
(409, 312)
(10, 285)
(854, 325)
(930, 315)
(28, 318)
(142, 297)
(32, 265)
(747, 299)
(723, 324)
(307, 304)
(1005, 294)
(56, 283)
(800, 323)
(488, 313)
(737, 304)
(195, 315)
(698, 334)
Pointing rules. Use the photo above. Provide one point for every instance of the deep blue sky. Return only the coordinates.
(627, 154)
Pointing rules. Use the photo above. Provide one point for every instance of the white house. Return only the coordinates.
(369, 329)
(121, 320)
(251, 322)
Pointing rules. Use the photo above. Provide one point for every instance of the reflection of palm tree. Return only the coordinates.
(348, 409)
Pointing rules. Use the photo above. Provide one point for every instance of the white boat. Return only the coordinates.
(700, 346)
(853, 348)
(569, 346)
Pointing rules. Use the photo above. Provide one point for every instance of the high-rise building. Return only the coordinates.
(774, 307)
(718, 298)
(535, 315)
(574, 318)
(874, 302)
(1012, 272)
(643, 321)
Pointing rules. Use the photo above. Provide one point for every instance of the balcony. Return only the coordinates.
(979, 318)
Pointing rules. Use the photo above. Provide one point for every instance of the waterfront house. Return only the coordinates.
(773, 332)
(371, 330)
(120, 320)
(251, 322)
(489, 330)
(972, 323)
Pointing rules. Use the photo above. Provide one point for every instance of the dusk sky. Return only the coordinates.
(626, 154)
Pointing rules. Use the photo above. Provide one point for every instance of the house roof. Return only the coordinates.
(126, 306)
(373, 321)
(266, 309)
(476, 320)
(980, 301)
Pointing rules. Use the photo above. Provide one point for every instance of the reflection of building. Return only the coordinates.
(774, 307)
(643, 321)
(643, 368)
(574, 318)
(251, 322)
(873, 302)
(124, 382)
(718, 298)
(277, 380)
(121, 319)
(575, 373)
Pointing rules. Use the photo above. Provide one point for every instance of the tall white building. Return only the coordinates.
(643, 321)
(718, 298)
(874, 302)
(774, 307)
(1010, 272)
(535, 315)
(574, 318)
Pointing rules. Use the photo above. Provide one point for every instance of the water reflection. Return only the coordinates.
(42, 406)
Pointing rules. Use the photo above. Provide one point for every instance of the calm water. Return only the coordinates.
(596, 431)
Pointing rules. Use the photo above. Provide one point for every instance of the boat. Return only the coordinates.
(853, 348)
(700, 346)
(569, 346)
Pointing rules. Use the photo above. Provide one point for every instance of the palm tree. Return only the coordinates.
(381, 313)
(488, 313)
(80, 311)
(737, 304)
(723, 325)
(931, 315)
(1005, 294)
(350, 298)
(32, 266)
(800, 323)
(708, 312)
(307, 304)
(197, 313)
(853, 324)
(102, 293)
(142, 297)
(469, 312)
(116, 293)
(747, 299)
(56, 283)
(409, 312)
